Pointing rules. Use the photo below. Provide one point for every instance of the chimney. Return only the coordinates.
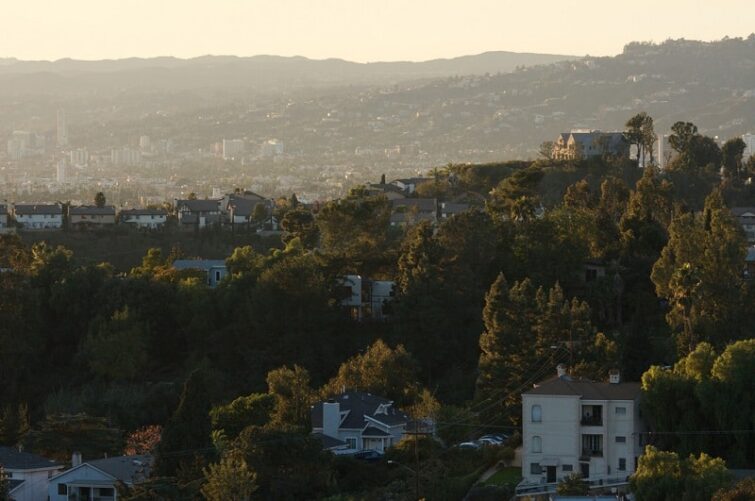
(331, 418)
(614, 376)
(561, 370)
(75, 458)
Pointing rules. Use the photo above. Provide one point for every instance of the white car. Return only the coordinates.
(468, 445)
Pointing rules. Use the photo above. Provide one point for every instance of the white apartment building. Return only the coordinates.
(39, 217)
(150, 219)
(749, 140)
(232, 148)
(574, 425)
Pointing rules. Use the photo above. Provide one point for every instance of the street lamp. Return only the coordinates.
(416, 475)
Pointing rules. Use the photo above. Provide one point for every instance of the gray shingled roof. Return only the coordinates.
(13, 459)
(329, 442)
(32, 209)
(198, 264)
(422, 204)
(359, 404)
(199, 205)
(371, 431)
(127, 469)
(587, 390)
(144, 212)
(738, 211)
(92, 210)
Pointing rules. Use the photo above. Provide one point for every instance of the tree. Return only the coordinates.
(186, 435)
(4, 485)
(293, 397)
(640, 132)
(390, 373)
(731, 157)
(250, 410)
(245, 261)
(230, 479)
(99, 200)
(744, 490)
(516, 191)
(116, 348)
(545, 150)
(59, 435)
(700, 273)
(300, 223)
(572, 485)
(259, 214)
(143, 441)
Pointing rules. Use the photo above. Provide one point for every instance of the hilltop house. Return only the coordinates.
(448, 209)
(354, 421)
(239, 207)
(98, 479)
(409, 185)
(198, 213)
(150, 219)
(39, 216)
(390, 191)
(86, 216)
(579, 144)
(575, 425)
(28, 474)
(214, 270)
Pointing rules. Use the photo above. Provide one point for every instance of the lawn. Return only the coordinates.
(506, 476)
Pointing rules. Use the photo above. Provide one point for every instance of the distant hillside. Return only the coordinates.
(232, 72)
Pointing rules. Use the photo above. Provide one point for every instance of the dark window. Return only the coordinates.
(62, 489)
(537, 414)
(107, 491)
(535, 469)
(592, 445)
(591, 275)
(567, 467)
(621, 411)
(622, 464)
(621, 440)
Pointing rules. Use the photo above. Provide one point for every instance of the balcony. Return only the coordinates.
(592, 453)
(592, 420)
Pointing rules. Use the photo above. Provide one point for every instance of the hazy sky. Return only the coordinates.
(358, 30)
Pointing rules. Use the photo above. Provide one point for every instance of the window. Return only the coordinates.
(106, 491)
(621, 411)
(621, 440)
(592, 445)
(535, 469)
(537, 414)
(622, 464)
(567, 467)
(62, 490)
(351, 442)
(537, 444)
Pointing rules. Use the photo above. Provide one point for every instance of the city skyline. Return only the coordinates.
(385, 30)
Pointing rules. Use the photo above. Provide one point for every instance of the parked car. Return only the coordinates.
(468, 445)
(369, 455)
(487, 441)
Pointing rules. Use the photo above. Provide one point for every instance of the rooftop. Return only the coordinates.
(127, 469)
(586, 389)
(13, 459)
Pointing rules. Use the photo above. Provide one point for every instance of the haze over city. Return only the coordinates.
(350, 250)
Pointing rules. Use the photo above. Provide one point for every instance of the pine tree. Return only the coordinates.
(186, 436)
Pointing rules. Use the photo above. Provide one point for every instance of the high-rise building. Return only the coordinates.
(232, 148)
(62, 128)
(62, 171)
(749, 140)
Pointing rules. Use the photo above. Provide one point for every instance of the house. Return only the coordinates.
(365, 298)
(448, 209)
(409, 185)
(150, 219)
(746, 217)
(239, 207)
(89, 216)
(214, 270)
(355, 421)
(575, 425)
(98, 479)
(579, 144)
(389, 191)
(409, 211)
(750, 263)
(4, 221)
(198, 213)
(27, 473)
(39, 216)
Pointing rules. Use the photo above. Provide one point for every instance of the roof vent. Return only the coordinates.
(614, 376)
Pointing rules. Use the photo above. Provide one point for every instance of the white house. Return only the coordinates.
(39, 216)
(150, 219)
(89, 216)
(746, 217)
(97, 479)
(365, 298)
(214, 269)
(239, 207)
(27, 473)
(580, 143)
(356, 421)
(574, 425)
